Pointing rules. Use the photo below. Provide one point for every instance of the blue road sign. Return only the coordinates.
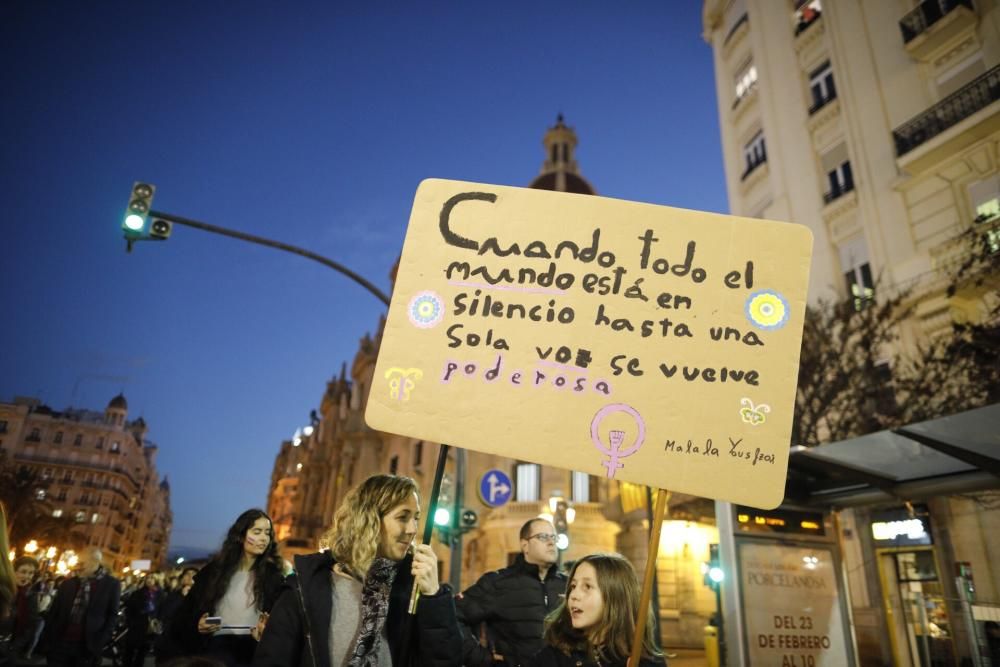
(495, 488)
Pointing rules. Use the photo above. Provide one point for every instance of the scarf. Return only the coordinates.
(374, 609)
(82, 599)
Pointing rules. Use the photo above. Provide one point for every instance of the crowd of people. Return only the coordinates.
(372, 598)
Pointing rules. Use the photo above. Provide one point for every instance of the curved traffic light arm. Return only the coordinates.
(260, 240)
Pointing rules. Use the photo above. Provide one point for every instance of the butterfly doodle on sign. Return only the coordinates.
(616, 437)
(753, 415)
(402, 381)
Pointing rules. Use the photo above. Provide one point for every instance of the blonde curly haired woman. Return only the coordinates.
(347, 607)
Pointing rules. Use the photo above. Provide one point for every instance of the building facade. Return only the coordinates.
(314, 470)
(100, 476)
(877, 124)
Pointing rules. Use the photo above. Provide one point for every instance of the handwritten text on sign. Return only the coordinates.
(638, 342)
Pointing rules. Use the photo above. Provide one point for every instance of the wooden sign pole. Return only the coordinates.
(647, 580)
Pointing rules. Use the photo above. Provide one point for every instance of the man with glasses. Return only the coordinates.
(504, 610)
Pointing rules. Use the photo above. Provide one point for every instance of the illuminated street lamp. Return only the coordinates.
(31, 547)
(51, 552)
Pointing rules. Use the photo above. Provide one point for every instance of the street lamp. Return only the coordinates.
(31, 547)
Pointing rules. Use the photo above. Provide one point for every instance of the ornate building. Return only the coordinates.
(314, 470)
(877, 125)
(100, 473)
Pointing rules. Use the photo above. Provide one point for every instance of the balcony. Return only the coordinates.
(964, 102)
(934, 24)
(837, 193)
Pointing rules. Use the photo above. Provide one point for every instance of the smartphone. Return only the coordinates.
(214, 620)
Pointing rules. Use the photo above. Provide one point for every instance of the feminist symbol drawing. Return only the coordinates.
(614, 450)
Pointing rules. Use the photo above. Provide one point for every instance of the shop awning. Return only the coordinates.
(955, 454)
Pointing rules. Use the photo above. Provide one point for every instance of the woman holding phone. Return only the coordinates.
(232, 594)
(347, 607)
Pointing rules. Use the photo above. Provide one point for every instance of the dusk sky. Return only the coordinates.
(309, 123)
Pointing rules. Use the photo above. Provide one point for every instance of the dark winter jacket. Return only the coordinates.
(141, 605)
(436, 640)
(513, 603)
(100, 618)
(182, 636)
(550, 656)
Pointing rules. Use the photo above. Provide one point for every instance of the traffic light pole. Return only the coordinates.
(260, 240)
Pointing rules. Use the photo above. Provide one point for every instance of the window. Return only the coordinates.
(885, 396)
(100, 443)
(418, 454)
(821, 86)
(3, 425)
(34, 436)
(527, 478)
(57, 513)
(583, 487)
(39, 494)
(47, 473)
(80, 517)
(57, 439)
(755, 153)
(115, 446)
(62, 497)
(841, 181)
(745, 80)
(95, 518)
(393, 465)
(806, 13)
(78, 440)
(857, 273)
(985, 196)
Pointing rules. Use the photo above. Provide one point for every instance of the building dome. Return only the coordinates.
(559, 170)
(118, 403)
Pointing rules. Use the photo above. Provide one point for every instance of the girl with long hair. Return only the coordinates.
(594, 625)
(231, 594)
(347, 606)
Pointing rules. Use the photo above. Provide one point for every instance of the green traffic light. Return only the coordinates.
(135, 222)
(442, 517)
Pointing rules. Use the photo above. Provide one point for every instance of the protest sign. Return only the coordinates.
(642, 343)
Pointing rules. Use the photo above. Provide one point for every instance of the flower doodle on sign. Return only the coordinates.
(753, 415)
(614, 450)
(767, 309)
(402, 382)
(426, 310)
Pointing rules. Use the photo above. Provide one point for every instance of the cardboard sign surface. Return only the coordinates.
(642, 343)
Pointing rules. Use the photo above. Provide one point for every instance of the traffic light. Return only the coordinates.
(160, 229)
(137, 213)
(712, 570)
(469, 519)
(442, 517)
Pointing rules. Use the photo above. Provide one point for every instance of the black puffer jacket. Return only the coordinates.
(513, 602)
(436, 639)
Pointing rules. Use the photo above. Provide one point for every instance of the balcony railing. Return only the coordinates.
(975, 95)
(837, 193)
(927, 14)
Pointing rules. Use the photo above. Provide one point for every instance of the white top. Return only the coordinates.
(237, 609)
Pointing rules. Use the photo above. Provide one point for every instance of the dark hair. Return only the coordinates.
(21, 561)
(266, 567)
(611, 637)
(526, 528)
